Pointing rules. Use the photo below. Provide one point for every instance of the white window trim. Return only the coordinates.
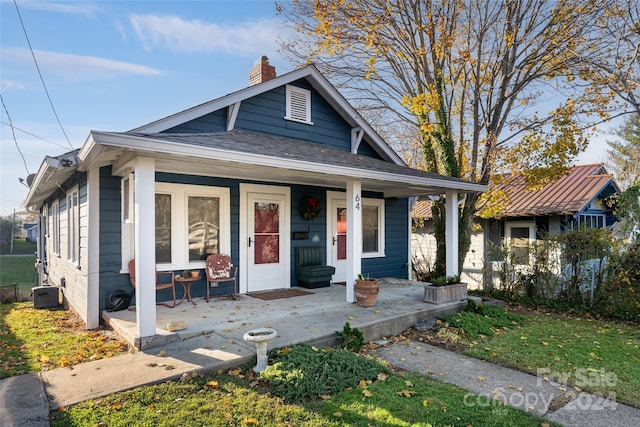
(521, 224)
(589, 217)
(73, 226)
(179, 221)
(290, 90)
(55, 227)
(128, 226)
(379, 203)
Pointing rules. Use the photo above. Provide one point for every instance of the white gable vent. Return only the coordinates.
(298, 105)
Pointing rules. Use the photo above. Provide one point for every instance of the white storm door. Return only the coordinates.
(266, 238)
(337, 234)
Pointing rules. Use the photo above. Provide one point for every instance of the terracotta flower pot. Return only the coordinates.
(366, 292)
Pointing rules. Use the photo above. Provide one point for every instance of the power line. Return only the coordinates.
(24, 29)
(33, 135)
(14, 135)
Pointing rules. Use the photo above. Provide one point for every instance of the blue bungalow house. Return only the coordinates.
(206, 179)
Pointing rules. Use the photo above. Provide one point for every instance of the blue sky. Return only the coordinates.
(115, 65)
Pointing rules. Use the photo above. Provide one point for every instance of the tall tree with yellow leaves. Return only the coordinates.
(486, 84)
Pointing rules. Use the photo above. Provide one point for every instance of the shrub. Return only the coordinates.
(620, 295)
(482, 319)
(350, 338)
(305, 372)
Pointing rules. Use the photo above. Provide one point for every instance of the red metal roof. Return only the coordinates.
(568, 195)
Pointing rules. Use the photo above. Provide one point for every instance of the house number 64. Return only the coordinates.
(357, 198)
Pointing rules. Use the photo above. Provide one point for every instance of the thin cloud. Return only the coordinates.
(189, 36)
(76, 8)
(10, 84)
(79, 66)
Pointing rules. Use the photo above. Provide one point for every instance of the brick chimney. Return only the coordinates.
(261, 71)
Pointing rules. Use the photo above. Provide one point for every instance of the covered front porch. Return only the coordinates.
(311, 318)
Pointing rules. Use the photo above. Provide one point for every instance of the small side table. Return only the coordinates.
(186, 284)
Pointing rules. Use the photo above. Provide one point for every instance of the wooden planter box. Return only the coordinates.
(443, 294)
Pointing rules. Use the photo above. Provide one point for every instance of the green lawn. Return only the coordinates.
(238, 398)
(594, 355)
(19, 269)
(32, 340)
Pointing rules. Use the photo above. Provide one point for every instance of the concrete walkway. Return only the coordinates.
(213, 341)
(501, 385)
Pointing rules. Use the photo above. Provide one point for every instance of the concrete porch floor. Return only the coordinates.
(312, 319)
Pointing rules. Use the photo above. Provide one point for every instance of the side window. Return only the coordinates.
(55, 227)
(73, 227)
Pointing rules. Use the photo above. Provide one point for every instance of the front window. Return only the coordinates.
(204, 227)
(192, 222)
(163, 228)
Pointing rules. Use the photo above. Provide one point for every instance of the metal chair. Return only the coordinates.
(166, 285)
(220, 269)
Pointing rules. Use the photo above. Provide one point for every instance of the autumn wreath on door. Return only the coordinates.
(309, 208)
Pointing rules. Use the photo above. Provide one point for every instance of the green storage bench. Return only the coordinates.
(310, 270)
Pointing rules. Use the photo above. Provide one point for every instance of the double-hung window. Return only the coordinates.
(372, 228)
(73, 227)
(55, 227)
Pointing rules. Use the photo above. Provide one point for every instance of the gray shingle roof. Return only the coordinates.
(289, 148)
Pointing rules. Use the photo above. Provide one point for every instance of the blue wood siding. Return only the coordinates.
(395, 262)
(212, 122)
(264, 113)
(110, 238)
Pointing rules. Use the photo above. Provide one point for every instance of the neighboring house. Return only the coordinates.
(228, 176)
(31, 231)
(577, 199)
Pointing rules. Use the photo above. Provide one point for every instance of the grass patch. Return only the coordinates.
(240, 398)
(33, 340)
(595, 355)
(21, 270)
(20, 247)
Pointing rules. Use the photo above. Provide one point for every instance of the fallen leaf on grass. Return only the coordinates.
(367, 393)
(405, 393)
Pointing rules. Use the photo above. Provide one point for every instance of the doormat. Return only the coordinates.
(279, 293)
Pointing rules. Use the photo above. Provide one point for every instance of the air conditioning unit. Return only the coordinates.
(45, 296)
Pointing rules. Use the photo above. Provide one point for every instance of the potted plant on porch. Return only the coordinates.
(366, 291)
(445, 289)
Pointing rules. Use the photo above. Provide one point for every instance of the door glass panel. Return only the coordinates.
(341, 231)
(204, 227)
(266, 231)
(163, 228)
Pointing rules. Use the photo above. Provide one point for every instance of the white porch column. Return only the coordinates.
(354, 233)
(451, 232)
(144, 243)
(93, 250)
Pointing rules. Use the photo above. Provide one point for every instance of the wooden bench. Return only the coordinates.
(311, 272)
